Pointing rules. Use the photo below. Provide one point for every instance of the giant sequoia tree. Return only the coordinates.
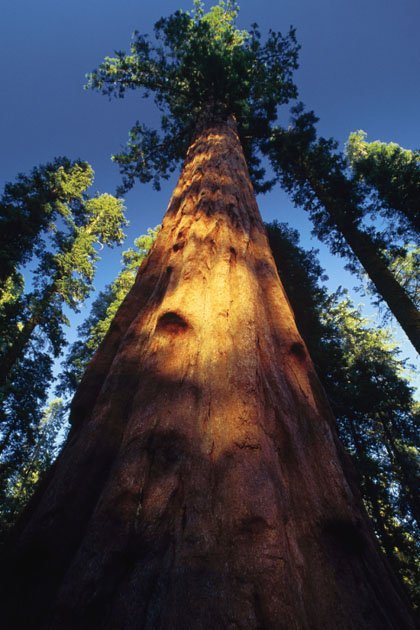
(202, 484)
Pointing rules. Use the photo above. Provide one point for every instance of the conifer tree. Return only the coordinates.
(393, 173)
(36, 458)
(65, 271)
(32, 203)
(59, 229)
(312, 170)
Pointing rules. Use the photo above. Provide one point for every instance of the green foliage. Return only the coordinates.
(393, 173)
(65, 235)
(67, 257)
(71, 263)
(104, 308)
(404, 264)
(32, 202)
(201, 69)
(377, 417)
(379, 424)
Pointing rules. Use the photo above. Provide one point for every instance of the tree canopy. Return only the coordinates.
(31, 205)
(393, 173)
(200, 67)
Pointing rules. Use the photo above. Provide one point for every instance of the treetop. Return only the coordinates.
(199, 67)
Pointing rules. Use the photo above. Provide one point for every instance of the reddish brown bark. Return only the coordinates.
(202, 485)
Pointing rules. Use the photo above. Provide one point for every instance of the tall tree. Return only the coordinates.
(36, 458)
(202, 483)
(21, 404)
(24, 395)
(315, 174)
(361, 374)
(68, 227)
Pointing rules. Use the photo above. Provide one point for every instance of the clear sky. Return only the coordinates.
(359, 69)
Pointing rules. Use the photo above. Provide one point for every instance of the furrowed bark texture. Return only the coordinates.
(202, 485)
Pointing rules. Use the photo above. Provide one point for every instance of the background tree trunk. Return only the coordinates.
(202, 485)
(15, 351)
(399, 302)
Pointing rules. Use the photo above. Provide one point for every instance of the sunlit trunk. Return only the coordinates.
(202, 485)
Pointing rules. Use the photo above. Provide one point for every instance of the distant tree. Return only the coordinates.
(64, 276)
(21, 404)
(379, 424)
(32, 203)
(65, 252)
(24, 394)
(405, 265)
(393, 173)
(35, 460)
(312, 170)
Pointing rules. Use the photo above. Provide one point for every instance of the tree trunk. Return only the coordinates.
(398, 301)
(15, 351)
(409, 478)
(202, 485)
(24, 335)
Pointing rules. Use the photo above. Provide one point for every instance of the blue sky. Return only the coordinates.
(359, 69)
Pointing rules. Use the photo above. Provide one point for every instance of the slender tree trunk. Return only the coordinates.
(375, 504)
(15, 351)
(399, 462)
(23, 337)
(202, 485)
(399, 302)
